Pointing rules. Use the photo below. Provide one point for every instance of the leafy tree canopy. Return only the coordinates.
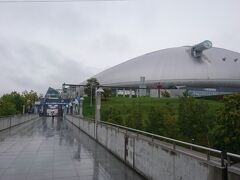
(7, 108)
(30, 97)
(194, 119)
(13, 98)
(155, 123)
(13, 103)
(92, 83)
(227, 130)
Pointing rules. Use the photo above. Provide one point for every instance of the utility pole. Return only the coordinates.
(81, 107)
(23, 112)
(98, 93)
(91, 97)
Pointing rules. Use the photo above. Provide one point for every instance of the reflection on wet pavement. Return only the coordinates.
(47, 149)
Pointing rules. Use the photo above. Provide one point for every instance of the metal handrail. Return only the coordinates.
(170, 140)
(1, 117)
(165, 138)
(77, 116)
(9, 121)
(14, 115)
(233, 155)
(9, 116)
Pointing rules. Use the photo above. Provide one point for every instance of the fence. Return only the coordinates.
(10, 121)
(156, 156)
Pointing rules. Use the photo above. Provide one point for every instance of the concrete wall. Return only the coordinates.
(88, 126)
(153, 158)
(10, 121)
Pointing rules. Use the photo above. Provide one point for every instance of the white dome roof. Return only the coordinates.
(216, 67)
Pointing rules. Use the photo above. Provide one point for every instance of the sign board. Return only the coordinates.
(37, 102)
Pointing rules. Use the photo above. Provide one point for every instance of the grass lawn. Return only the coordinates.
(123, 103)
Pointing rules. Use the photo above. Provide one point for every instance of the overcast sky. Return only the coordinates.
(46, 44)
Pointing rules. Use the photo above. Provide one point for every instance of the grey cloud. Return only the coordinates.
(112, 43)
(33, 66)
(44, 44)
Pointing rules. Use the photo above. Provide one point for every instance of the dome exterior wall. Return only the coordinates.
(216, 67)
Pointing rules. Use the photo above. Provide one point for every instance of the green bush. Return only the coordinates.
(7, 108)
(112, 115)
(227, 129)
(155, 123)
(13, 103)
(183, 118)
(195, 120)
(134, 118)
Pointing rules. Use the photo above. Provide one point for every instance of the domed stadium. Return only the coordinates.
(191, 66)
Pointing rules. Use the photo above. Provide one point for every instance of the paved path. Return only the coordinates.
(49, 150)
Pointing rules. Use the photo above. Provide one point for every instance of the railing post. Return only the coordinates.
(224, 165)
(192, 143)
(10, 122)
(126, 148)
(134, 152)
(222, 159)
(208, 155)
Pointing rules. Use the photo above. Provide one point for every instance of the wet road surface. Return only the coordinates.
(49, 150)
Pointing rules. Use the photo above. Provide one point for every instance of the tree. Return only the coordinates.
(186, 115)
(194, 120)
(170, 125)
(205, 122)
(13, 103)
(134, 118)
(137, 116)
(105, 113)
(155, 123)
(30, 98)
(16, 99)
(227, 130)
(171, 128)
(117, 118)
(112, 115)
(107, 93)
(92, 83)
(7, 108)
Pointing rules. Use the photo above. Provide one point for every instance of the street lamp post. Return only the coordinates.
(91, 97)
(23, 109)
(81, 107)
(98, 93)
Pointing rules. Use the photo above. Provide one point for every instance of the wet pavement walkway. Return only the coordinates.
(47, 150)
